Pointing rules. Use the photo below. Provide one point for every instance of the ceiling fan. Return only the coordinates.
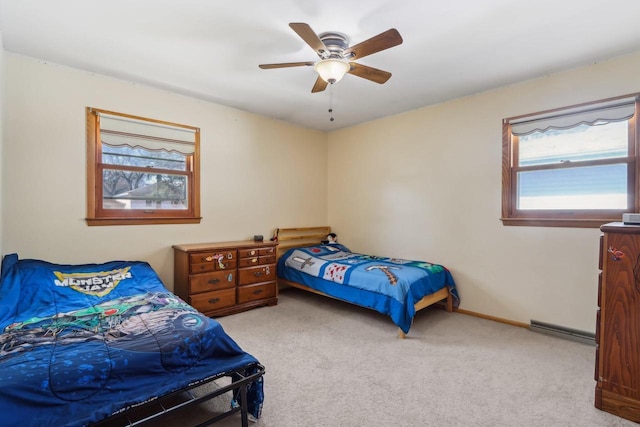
(336, 55)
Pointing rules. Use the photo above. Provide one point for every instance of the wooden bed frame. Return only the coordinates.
(307, 236)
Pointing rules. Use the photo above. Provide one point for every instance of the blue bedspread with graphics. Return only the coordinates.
(81, 342)
(388, 285)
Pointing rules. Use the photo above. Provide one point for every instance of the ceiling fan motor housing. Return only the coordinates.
(335, 42)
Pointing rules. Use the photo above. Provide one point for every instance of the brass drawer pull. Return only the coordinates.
(213, 281)
(254, 260)
(214, 300)
(257, 292)
(257, 273)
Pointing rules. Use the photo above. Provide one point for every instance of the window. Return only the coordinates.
(571, 167)
(141, 171)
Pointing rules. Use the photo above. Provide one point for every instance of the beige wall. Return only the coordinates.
(427, 185)
(257, 173)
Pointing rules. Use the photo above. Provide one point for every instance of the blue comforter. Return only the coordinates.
(81, 342)
(388, 285)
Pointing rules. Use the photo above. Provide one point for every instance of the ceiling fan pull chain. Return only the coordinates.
(330, 103)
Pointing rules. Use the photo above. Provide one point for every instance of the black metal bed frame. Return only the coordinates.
(240, 381)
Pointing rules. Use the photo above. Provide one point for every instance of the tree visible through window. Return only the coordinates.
(575, 166)
(141, 171)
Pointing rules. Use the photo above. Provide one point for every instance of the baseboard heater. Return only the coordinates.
(563, 332)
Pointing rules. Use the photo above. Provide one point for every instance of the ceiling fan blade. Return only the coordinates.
(285, 65)
(369, 73)
(310, 37)
(382, 41)
(319, 85)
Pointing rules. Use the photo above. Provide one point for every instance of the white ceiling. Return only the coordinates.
(211, 49)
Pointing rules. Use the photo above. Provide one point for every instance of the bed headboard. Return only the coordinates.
(303, 236)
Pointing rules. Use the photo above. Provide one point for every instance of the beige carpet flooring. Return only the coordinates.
(331, 364)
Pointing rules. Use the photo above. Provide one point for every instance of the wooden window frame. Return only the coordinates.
(567, 218)
(96, 215)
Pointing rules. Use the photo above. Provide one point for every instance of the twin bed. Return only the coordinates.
(98, 343)
(392, 286)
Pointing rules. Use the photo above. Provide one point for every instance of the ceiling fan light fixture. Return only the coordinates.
(331, 70)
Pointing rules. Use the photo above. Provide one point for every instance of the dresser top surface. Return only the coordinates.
(195, 247)
(620, 227)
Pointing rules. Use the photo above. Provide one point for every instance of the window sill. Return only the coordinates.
(557, 222)
(141, 221)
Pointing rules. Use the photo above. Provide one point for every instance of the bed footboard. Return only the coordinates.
(442, 294)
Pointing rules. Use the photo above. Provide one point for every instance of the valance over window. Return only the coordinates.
(123, 131)
(614, 111)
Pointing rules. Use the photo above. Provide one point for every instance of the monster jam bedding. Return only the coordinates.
(79, 343)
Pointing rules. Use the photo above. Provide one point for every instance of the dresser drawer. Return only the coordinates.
(249, 262)
(214, 300)
(256, 260)
(267, 251)
(210, 261)
(213, 266)
(212, 281)
(256, 292)
(206, 257)
(245, 253)
(269, 259)
(249, 275)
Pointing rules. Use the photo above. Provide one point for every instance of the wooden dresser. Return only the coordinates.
(227, 277)
(617, 370)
